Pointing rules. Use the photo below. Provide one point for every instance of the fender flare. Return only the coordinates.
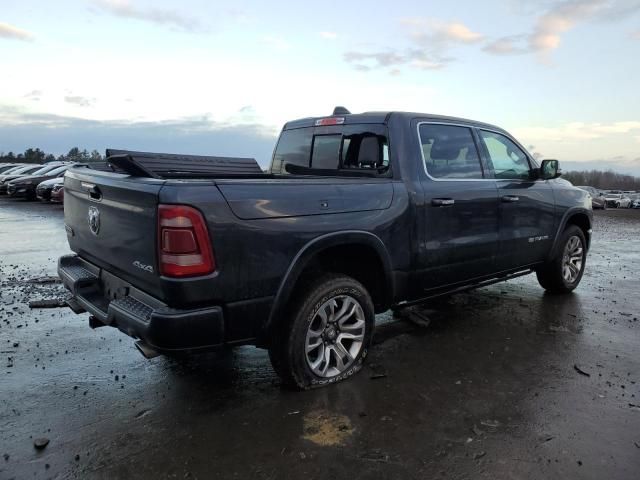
(310, 250)
(563, 224)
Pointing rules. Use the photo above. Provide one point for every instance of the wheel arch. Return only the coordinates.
(581, 217)
(310, 260)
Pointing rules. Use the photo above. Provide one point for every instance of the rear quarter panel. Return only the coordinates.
(253, 254)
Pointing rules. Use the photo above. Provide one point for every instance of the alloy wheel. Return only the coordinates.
(335, 336)
(572, 259)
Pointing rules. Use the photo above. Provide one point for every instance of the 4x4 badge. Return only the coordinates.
(93, 218)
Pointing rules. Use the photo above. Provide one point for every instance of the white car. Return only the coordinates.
(617, 200)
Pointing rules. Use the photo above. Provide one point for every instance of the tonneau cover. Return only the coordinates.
(171, 165)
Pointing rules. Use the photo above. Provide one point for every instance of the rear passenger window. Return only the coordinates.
(449, 152)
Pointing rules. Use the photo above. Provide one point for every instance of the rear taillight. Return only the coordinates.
(184, 248)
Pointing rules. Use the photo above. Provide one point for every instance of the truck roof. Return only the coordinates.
(383, 117)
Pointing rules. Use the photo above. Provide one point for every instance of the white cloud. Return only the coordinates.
(505, 46)
(329, 35)
(79, 100)
(577, 131)
(430, 32)
(560, 18)
(14, 33)
(461, 33)
(604, 145)
(547, 33)
(33, 95)
(430, 41)
(160, 16)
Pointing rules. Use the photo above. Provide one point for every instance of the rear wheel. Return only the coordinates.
(327, 336)
(563, 273)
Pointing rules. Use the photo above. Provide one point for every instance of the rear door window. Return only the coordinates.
(449, 152)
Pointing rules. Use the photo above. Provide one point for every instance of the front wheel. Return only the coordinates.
(328, 334)
(563, 273)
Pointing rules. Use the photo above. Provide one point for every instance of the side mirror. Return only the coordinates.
(550, 169)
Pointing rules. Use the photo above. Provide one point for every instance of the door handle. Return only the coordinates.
(442, 202)
(510, 198)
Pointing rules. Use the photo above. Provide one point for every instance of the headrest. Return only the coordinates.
(369, 153)
(447, 149)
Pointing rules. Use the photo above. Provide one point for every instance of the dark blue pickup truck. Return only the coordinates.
(357, 214)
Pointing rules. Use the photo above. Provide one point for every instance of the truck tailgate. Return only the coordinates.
(111, 221)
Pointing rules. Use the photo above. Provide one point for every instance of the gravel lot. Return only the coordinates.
(506, 382)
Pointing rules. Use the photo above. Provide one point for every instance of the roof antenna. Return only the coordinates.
(340, 111)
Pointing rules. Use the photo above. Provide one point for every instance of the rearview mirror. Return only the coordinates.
(550, 169)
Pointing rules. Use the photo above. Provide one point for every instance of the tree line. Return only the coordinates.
(604, 180)
(35, 155)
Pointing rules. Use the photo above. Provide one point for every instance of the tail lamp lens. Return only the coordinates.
(184, 247)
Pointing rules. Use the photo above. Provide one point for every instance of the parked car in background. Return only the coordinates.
(635, 200)
(617, 200)
(25, 187)
(597, 197)
(44, 189)
(7, 167)
(16, 173)
(57, 192)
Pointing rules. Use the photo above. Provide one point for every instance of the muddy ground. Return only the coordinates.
(506, 382)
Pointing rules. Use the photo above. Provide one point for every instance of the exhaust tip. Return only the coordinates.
(146, 351)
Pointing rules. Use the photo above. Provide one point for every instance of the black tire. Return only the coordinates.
(550, 275)
(287, 349)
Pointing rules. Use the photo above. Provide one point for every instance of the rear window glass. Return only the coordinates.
(294, 148)
(356, 148)
(449, 152)
(326, 151)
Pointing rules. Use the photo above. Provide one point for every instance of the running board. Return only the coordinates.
(465, 288)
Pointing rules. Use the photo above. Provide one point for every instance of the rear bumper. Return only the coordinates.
(117, 303)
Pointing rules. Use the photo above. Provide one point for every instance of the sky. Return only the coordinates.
(222, 77)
